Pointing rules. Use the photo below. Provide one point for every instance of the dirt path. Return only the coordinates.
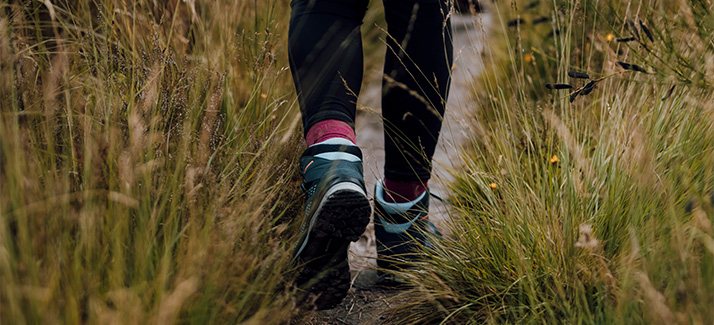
(365, 302)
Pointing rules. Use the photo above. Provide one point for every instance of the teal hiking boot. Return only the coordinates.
(336, 212)
(401, 230)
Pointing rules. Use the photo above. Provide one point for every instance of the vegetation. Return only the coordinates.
(591, 204)
(145, 152)
(148, 153)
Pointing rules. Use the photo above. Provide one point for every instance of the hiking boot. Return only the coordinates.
(336, 213)
(401, 230)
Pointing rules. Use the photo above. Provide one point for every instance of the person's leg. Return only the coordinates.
(325, 54)
(325, 51)
(417, 75)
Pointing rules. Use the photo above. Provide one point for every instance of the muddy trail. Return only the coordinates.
(365, 302)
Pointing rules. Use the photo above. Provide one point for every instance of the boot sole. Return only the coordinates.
(341, 218)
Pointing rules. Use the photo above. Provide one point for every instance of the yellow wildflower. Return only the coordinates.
(529, 58)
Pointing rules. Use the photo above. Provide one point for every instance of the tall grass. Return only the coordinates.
(145, 152)
(595, 211)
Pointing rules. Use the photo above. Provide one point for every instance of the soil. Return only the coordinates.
(365, 302)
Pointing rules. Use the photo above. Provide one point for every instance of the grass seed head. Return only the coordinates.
(574, 95)
(633, 28)
(540, 20)
(578, 75)
(515, 22)
(647, 31)
(532, 5)
(588, 88)
(625, 40)
(632, 67)
(558, 86)
(553, 33)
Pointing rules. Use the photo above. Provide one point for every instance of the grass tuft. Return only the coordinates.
(595, 211)
(145, 152)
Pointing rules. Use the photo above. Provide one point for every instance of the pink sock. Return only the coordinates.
(399, 192)
(329, 129)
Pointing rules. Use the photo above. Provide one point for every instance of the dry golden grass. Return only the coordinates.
(617, 228)
(146, 162)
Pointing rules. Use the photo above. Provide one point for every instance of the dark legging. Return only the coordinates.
(325, 50)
